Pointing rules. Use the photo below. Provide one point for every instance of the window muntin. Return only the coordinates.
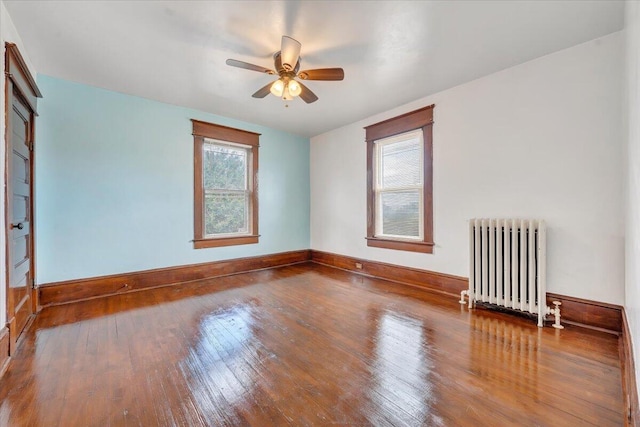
(227, 189)
(399, 186)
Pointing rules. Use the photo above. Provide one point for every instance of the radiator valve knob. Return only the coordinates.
(556, 312)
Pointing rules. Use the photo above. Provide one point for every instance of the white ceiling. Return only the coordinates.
(392, 52)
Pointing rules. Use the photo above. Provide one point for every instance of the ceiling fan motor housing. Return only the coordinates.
(284, 68)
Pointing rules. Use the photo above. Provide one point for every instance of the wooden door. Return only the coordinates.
(20, 110)
(19, 213)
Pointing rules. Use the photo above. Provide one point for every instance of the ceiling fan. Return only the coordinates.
(287, 64)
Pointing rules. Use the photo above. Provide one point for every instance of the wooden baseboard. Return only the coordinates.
(4, 350)
(35, 301)
(422, 278)
(594, 314)
(577, 311)
(12, 327)
(629, 385)
(77, 290)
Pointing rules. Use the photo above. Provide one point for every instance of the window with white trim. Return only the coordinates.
(227, 189)
(398, 186)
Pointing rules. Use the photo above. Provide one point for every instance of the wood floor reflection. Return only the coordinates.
(304, 345)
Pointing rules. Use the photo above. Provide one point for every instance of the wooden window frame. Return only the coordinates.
(202, 130)
(414, 120)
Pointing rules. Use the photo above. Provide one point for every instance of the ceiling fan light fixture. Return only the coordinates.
(286, 96)
(294, 88)
(277, 88)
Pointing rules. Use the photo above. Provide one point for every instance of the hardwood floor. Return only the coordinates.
(304, 345)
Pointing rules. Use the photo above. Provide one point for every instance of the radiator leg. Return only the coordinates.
(462, 295)
(556, 312)
(540, 321)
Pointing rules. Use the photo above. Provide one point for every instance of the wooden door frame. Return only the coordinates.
(20, 82)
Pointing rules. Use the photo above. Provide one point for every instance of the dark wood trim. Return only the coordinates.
(198, 196)
(418, 119)
(629, 384)
(226, 241)
(371, 195)
(400, 124)
(402, 245)
(20, 89)
(255, 202)
(31, 213)
(587, 313)
(81, 289)
(203, 130)
(427, 135)
(225, 133)
(575, 311)
(8, 105)
(35, 300)
(13, 332)
(4, 350)
(425, 279)
(17, 71)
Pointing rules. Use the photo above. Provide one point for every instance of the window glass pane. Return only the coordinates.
(400, 213)
(224, 167)
(401, 163)
(226, 213)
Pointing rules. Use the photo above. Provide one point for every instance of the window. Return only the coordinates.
(399, 182)
(225, 186)
(398, 186)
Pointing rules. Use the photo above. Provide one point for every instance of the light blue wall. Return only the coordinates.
(114, 185)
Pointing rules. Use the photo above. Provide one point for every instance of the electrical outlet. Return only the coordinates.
(358, 266)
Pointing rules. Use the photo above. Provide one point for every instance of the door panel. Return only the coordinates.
(19, 236)
(20, 250)
(20, 210)
(20, 168)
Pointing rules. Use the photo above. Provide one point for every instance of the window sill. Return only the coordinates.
(400, 245)
(224, 241)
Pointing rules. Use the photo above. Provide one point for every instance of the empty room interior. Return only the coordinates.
(271, 213)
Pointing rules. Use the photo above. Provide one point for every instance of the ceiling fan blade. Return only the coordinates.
(322, 74)
(306, 94)
(263, 91)
(247, 66)
(290, 52)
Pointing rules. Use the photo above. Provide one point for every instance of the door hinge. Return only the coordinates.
(31, 146)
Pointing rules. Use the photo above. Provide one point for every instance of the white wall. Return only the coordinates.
(8, 33)
(632, 290)
(542, 139)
